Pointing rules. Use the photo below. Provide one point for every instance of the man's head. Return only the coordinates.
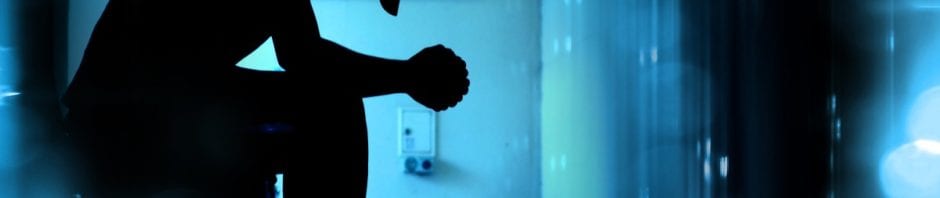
(390, 6)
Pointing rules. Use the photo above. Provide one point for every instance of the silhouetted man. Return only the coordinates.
(160, 109)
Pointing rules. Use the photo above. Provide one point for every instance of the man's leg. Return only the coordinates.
(117, 158)
(319, 133)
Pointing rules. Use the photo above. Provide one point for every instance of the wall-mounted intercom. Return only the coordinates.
(417, 140)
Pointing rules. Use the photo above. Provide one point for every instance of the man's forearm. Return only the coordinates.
(370, 75)
(301, 50)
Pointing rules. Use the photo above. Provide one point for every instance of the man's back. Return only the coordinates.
(140, 50)
(158, 103)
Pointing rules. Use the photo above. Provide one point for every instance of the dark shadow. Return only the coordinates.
(158, 107)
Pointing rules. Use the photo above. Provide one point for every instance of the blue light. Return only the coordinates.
(9, 94)
(924, 4)
(5, 93)
(923, 123)
(891, 41)
(912, 170)
(8, 123)
(929, 146)
(723, 167)
(279, 186)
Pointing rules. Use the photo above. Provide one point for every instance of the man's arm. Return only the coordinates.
(301, 50)
(435, 77)
(374, 76)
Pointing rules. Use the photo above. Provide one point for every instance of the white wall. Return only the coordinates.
(489, 145)
(616, 116)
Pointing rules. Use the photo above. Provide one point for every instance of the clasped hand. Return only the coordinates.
(441, 78)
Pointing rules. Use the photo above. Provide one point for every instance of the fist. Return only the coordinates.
(441, 78)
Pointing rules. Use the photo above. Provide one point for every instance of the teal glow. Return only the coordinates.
(613, 102)
(279, 186)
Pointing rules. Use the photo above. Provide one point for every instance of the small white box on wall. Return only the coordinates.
(416, 132)
(417, 140)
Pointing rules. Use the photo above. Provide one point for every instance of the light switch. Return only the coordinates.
(416, 132)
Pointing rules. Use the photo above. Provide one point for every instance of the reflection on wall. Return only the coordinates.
(621, 115)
